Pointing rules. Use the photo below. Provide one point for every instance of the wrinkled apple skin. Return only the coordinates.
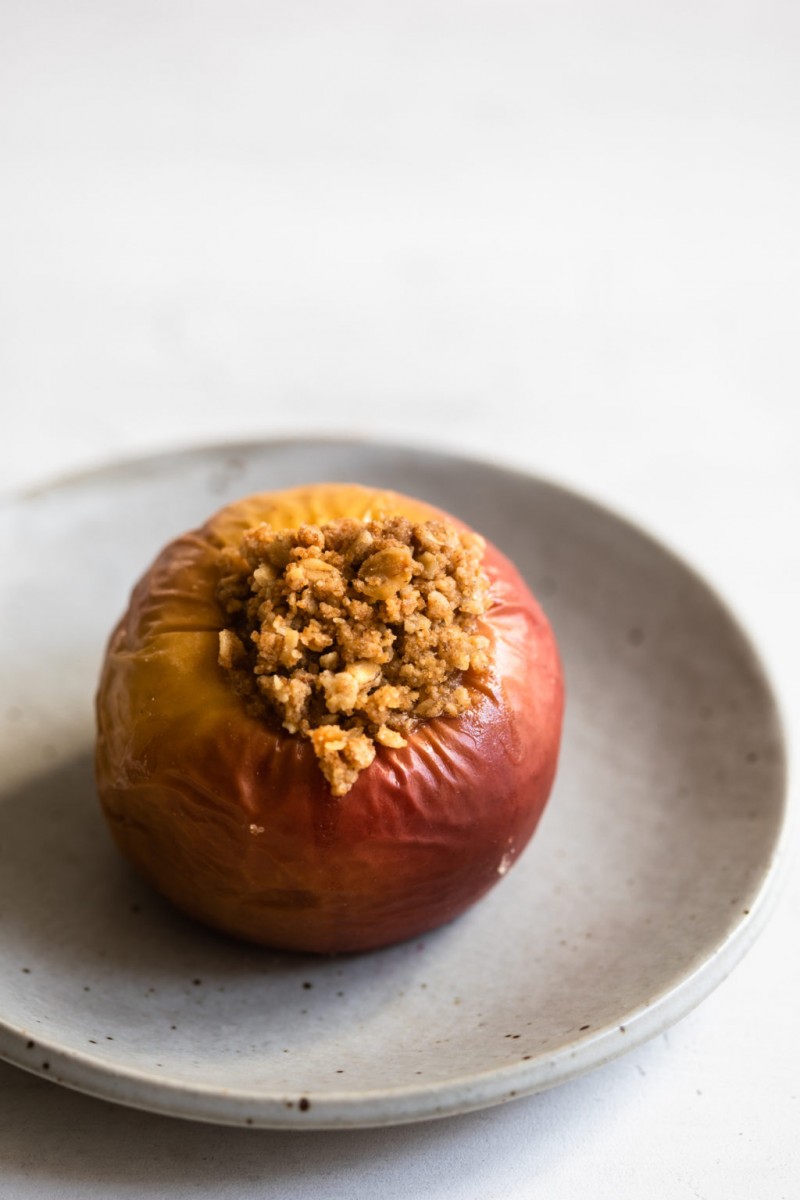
(232, 820)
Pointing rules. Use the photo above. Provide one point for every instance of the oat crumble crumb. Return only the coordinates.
(350, 633)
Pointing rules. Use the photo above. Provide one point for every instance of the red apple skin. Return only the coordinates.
(232, 820)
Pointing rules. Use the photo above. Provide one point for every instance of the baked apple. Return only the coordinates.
(329, 719)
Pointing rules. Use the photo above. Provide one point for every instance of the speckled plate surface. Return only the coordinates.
(648, 879)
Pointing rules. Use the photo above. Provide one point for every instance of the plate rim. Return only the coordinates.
(345, 1109)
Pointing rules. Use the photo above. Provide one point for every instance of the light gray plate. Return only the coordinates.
(647, 881)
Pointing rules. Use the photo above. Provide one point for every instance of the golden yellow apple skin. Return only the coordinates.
(232, 820)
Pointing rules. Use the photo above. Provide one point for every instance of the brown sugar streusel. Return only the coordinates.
(350, 633)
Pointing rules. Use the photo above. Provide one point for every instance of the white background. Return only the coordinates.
(561, 235)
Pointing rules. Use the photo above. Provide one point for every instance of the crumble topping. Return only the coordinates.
(351, 632)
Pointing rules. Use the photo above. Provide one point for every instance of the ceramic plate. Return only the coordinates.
(649, 877)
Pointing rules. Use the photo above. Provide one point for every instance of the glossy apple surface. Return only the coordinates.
(232, 819)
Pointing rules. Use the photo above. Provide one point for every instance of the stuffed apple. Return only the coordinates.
(329, 719)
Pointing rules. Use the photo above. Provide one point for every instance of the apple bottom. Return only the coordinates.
(259, 849)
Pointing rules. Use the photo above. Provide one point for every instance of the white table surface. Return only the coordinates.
(563, 236)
